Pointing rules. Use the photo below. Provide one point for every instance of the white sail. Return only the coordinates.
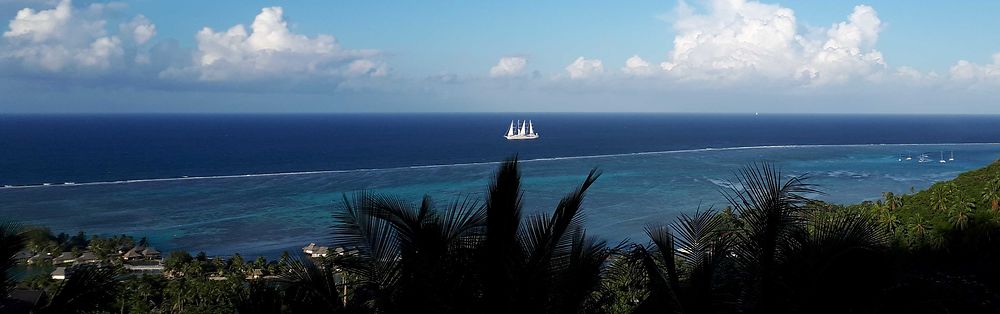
(521, 130)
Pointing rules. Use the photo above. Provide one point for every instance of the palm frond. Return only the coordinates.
(11, 242)
(549, 234)
(770, 208)
(581, 273)
(501, 255)
(463, 218)
(503, 206)
(662, 296)
(357, 227)
(699, 237)
(86, 290)
(310, 287)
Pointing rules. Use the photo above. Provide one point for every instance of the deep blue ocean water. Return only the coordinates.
(194, 181)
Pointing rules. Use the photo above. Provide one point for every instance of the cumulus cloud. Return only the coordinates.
(141, 28)
(582, 68)
(636, 66)
(848, 51)
(739, 39)
(971, 73)
(270, 49)
(65, 38)
(509, 67)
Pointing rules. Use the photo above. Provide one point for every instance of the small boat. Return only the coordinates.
(952, 158)
(942, 158)
(522, 130)
(924, 158)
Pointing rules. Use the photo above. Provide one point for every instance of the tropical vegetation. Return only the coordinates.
(771, 250)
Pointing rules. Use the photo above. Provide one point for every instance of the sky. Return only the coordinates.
(62, 56)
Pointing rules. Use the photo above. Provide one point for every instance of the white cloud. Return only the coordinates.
(848, 51)
(364, 67)
(971, 73)
(739, 40)
(64, 38)
(582, 68)
(636, 66)
(41, 25)
(141, 28)
(270, 49)
(509, 67)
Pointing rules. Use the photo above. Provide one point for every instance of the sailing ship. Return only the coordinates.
(952, 158)
(522, 130)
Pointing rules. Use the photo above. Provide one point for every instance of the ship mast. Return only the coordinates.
(522, 128)
(510, 130)
(531, 128)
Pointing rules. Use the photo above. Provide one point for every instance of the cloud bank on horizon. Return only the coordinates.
(723, 51)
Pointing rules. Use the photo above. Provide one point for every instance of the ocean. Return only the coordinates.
(263, 184)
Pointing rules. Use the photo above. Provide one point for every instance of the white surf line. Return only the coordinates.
(299, 173)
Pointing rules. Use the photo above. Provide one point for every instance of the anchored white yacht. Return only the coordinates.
(522, 130)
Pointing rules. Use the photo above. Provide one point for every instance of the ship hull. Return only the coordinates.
(521, 137)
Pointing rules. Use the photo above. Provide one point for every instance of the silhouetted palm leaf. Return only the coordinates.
(358, 227)
(310, 288)
(11, 242)
(770, 209)
(502, 253)
(85, 290)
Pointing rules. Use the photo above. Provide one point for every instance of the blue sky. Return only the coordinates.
(704, 56)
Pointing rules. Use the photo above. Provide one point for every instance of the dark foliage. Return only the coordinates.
(772, 250)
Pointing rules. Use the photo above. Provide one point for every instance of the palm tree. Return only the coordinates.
(543, 264)
(918, 229)
(959, 217)
(309, 287)
(892, 201)
(417, 258)
(408, 257)
(840, 257)
(939, 201)
(683, 263)
(772, 212)
(991, 194)
(889, 221)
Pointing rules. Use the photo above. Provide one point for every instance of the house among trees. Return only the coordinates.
(315, 251)
(59, 274)
(65, 258)
(144, 267)
(309, 249)
(87, 257)
(150, 253)
(141, 252)
(132, 254)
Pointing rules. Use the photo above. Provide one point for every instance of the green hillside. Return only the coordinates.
(928, 217)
